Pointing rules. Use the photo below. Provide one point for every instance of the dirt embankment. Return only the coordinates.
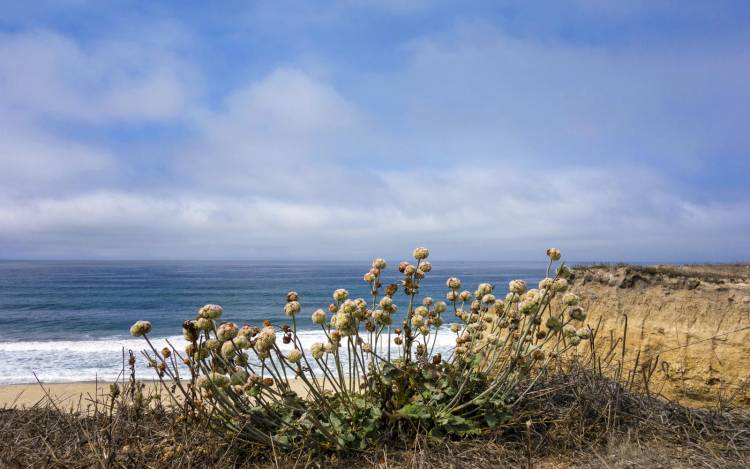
(695, 319)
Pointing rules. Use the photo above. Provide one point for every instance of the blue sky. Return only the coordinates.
(338, 130)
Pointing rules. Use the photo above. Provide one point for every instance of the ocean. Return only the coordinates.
(68, 321)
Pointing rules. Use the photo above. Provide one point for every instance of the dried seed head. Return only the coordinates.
(292, 296)
(211, 311)
(140, 328)
(553, 254)
(517, 286)
(295, 356)
(340, 294)
(227, 331)
(319, 317)
(421, 253)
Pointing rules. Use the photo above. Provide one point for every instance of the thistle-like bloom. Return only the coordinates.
(451, 295)
(427, 301)
(570, 299)
(220, 380)
(340, 294)
(517, 286)
(212, 344)
(211, 311)
(386, 303)
(316, 350)
(369, 277)
(454, 283)
(319, 317)
(239, 377)
(202, 382)
(266, 340)
(488, 299)
(227, 331)
(227, 349)
(140, 328)
(584, 333)
(440, 307)
(465, 295)
(425, 266)
(292, 308)
(545, 283)
(560, 285)
(292, 296)
(379, 263)
(577, 313)
(295, 356)
(242, 342)
(421, 311)
(554, 323)
(421, 253)
(455, 328)
(409, 270)
(553, 254)
(204, 324)
(417, 320)
(189, 331)
(366, 347)
(483, 289)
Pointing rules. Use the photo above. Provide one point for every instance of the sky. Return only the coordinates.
(616, 131)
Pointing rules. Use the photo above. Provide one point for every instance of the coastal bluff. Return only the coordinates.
(688, 326)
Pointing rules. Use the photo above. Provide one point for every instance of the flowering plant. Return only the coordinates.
(369, 377)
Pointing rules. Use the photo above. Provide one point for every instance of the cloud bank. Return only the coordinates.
(475, 140)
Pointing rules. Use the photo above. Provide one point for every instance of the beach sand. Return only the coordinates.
(68, 396)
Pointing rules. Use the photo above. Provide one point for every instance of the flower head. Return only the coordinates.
(553, 254)
(319, 316)
(140, 328)
(421, 253)
(292, 308)
(316, 350)
(211, 311)
(517, 286)
(379, 263)
(295, 356)
(454, 283)
(227, 331)
(571, 299)
(340, 294)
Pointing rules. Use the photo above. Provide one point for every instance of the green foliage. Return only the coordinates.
(369, 382)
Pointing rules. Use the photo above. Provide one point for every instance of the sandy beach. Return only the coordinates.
(69, 395)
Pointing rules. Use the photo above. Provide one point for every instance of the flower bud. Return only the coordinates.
(379, 263)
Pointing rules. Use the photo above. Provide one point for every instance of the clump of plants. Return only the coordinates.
(373, 376)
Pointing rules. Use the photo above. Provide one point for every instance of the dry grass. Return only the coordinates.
(572, 418)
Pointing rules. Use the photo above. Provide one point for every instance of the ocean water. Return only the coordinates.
(69, 320)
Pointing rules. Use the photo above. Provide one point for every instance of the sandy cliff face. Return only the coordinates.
(695, 319)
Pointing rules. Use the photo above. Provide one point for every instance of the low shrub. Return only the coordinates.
(372, 379)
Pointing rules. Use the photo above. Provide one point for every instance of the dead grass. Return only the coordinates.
(572, 418)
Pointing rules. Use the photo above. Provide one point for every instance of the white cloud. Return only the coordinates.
(482, 146)
(46, 75)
